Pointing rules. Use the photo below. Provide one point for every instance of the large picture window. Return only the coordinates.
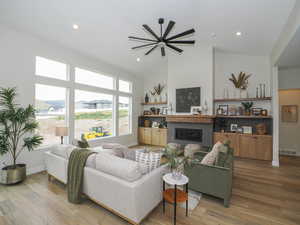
(93, 115)
(81, 100)
(93, 79)
(50, 68)
(50, 105)
(125, 86)
(124, 115)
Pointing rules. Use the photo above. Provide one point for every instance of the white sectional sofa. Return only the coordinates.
(113, 183)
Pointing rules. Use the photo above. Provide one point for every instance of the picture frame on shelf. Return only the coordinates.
(224, 110)
(232, 110)
(196, 110)
(233, 127)
(256, 111)
(247, 130)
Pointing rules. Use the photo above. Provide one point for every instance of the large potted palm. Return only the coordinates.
(17, 126)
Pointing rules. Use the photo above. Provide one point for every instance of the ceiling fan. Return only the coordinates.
(163, 41)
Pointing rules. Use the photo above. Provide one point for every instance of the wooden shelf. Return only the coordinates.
(245, 117)
(243, 99)
(154, 103)
(161, 116)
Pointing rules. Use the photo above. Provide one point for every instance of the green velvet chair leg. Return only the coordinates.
(226, 202)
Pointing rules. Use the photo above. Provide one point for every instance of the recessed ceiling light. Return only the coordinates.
(75, 27)
(138, 59)
(238, 33)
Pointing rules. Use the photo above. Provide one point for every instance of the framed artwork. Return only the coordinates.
(256, 111)
(186, 98)
(224, 109)
(195, 110)
(247, 130)
(289, 113)
(233, 127)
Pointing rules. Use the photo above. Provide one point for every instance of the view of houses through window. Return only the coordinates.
(93, 110)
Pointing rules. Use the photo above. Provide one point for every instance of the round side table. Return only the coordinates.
(175, 195)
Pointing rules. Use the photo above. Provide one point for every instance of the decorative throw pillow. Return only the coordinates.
(222, 156)
(131, 153)
(148, 161)
(211, 157)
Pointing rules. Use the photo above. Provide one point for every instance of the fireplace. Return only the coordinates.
(191, 129)
(188, 134)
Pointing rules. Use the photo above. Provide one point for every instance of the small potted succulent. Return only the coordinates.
(247, 107)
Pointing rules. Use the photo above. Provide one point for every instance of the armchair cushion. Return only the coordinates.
(211, 157)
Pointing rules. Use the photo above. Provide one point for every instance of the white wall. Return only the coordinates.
(289, 136)
(17, 69)
(289, 78)
(228, 63)
(289, 94)
(194, 68)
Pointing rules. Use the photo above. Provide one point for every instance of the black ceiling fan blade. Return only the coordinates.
(181, 34)
(142, 39)
(174, 48)
(141, 46)
(163, 52)
(181, 42)
(150, 31)
(169, 28)
(151, 50)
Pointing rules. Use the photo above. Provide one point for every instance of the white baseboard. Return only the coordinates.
(275, 163)
(36, 169)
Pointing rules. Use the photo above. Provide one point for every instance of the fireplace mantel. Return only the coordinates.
(190, 119)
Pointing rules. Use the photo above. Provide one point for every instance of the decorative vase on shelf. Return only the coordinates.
(146, 98)
(160, 99)
(243, 93)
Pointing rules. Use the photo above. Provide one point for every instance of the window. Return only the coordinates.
(93, 115)
(125, 86)
(50, 104)
(49, 68)
(124, 115)
(93, 79)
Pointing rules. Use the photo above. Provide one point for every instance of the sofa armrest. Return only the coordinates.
(148, 191)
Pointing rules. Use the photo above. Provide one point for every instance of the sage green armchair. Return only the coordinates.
(215, 180)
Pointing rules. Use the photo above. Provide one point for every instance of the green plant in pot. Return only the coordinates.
(17, 127)
(247, 107)
(175, 161)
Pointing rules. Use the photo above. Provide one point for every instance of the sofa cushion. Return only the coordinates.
(63, 150)
(131, 153)
(122, 168)
(91, 161)
(212, 156)
(148, 161)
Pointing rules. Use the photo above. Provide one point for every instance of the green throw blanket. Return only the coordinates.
(76, 165)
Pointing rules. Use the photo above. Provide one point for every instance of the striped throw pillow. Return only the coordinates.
(148, 161)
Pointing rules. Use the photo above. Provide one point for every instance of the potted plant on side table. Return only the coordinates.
(175, 160)
(17, 126)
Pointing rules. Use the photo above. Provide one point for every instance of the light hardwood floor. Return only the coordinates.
(261, 195)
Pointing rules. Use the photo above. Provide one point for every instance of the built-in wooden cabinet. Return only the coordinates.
(153, 136)
(247, 145)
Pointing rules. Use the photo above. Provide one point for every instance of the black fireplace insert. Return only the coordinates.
(188, 134)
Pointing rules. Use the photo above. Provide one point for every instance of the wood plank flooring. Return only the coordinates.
(262, 195)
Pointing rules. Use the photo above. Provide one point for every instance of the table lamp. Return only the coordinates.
(61, 131)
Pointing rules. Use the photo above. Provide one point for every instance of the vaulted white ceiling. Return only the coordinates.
(104, 26)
